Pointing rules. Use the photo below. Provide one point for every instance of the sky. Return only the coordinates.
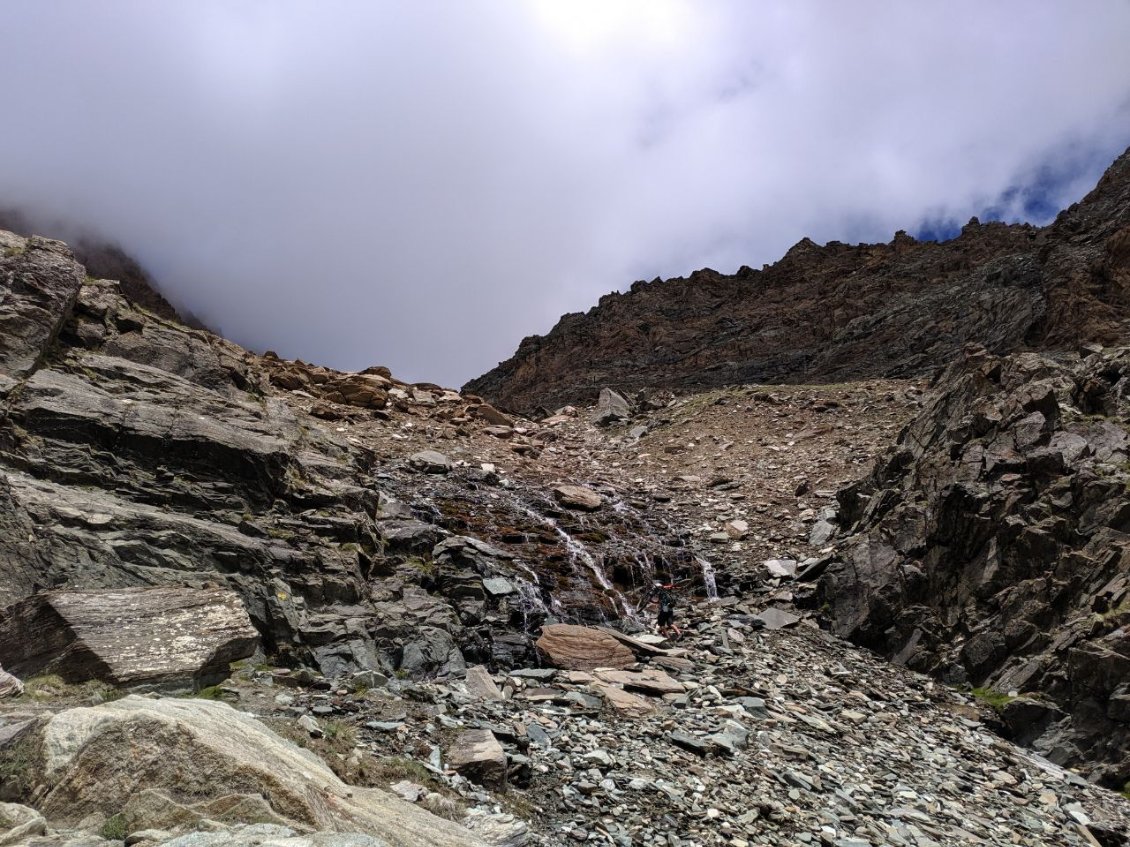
(421, 184)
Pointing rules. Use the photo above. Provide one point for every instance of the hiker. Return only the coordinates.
(665, 592)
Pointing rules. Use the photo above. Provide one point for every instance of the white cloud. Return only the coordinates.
(422, 184)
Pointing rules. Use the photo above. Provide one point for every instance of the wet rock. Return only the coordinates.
(578, 497)
(582, 648)
(498, 586)
(157, 638)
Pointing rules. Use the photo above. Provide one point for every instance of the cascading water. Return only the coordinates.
(708, 581)
(577, 552)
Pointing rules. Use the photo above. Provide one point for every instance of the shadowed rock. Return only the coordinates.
(39, 281)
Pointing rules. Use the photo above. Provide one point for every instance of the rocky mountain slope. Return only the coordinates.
(840, 312)
(990, 546)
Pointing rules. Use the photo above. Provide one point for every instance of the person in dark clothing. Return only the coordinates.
(664, 592)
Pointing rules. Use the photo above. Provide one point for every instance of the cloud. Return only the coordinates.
(422, 184)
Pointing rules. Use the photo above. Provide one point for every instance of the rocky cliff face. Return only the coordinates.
(839, 312)
(991, 546)
(135, 451)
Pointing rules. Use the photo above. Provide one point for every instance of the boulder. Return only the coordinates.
(158, 762)
(39, 283)
(737, 529)
(480, 684)
(157, 638)
(578, 497)
(773, 618)
(782, 568)
(430, 461)
(477, 755)
(19, 824)
(10, 686)
(365, 390)
(582, 648)
(433, 653)
(611, 406)
(624, 702)
(491, 415)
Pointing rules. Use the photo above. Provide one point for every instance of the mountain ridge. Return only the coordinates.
(835, 312)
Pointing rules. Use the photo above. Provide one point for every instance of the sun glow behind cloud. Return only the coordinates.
(588, 26)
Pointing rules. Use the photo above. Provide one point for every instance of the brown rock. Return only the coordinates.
(649, 681)
(895, 309)
(156, 638)
(631, 705)
(582, 648)
(578, 497)
(365, 390)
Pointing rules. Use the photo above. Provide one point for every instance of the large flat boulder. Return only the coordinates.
(157, 638)
(197, 754)
(649, 681)
(582, 648)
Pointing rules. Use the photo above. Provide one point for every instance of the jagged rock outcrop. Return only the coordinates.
(992, 546)
(163, 638)
(839, 312)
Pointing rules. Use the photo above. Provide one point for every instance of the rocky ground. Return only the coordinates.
(735, 735)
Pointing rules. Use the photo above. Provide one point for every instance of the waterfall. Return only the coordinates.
(708, 579)
(577, 552)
